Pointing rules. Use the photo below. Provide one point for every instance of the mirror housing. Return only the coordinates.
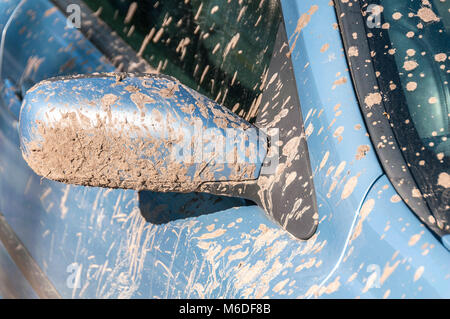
(150, 132)
(143, 132)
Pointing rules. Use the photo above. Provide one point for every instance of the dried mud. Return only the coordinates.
(108, 152)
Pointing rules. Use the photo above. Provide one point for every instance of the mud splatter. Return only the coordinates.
(419, 273)
(410, 65)
(349, 187)
(427, 15)
(395, 198)
(411, 86)
(302, 22)
(362, 151)
(372, 99)
(324, 48)
(353, 51)
(444, 180)
(366, 209)
(140, 99)
(440, 57)
(414, 239)
(388, 270)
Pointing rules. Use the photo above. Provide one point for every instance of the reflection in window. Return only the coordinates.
(221, 48)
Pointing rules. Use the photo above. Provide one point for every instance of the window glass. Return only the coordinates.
(410, 48)
(220, 48)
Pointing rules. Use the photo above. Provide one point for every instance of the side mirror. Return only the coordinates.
(145, 132)
(139, 132)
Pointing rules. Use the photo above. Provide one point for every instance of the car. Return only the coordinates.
(353, 96)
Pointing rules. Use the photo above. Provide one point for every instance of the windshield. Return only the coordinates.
(410, 48)
(219, 48)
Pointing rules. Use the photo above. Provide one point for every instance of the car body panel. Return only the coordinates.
(210, 246)
(409, 260)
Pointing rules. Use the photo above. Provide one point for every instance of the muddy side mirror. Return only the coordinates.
(143, 132)
(150, 132)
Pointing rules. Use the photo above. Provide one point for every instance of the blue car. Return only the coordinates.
(322, 129)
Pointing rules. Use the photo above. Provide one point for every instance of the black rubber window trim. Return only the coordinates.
(364, 81)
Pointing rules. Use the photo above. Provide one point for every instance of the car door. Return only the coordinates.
(103, 243)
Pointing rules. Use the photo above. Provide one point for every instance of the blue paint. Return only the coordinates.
(38, 34)
(10, 98)
(228, 252)
(412, 263)
(446, 241)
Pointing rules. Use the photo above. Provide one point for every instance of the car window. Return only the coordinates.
(220, 48)
(410, 51)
